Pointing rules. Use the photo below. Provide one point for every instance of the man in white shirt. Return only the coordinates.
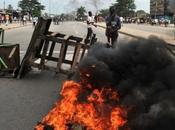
(90, 24)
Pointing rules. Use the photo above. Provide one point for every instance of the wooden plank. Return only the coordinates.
(76, 57)
(76, 39)
(83, 53)
(56, 34)
(52, 48)
(60, 40)
(43, 56)
(41, 28)
(61, 57)
(12, 52)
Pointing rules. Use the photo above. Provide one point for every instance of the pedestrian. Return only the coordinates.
(7, 19)
(0, 19)
(90, 23)
(34, 19)
(24, 20)
(113, 24)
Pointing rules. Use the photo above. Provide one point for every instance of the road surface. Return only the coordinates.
(23, 35)
(25, 102)
(152, 29)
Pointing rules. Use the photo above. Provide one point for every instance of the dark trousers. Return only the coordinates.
(112, 37)
(89, 33)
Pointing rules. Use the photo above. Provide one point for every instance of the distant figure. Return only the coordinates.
(113, 24)
(34, 19)
(7, 17)
(0, 19)
(90, 24)
(24, 20)
(121, 20)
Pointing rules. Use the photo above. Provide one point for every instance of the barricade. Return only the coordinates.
(9, 59)
(52, 48)
(1, 35)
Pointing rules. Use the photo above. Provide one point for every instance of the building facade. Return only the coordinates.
(161, 9)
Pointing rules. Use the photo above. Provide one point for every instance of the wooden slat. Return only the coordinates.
(43, 57)
(12, 52)
(61, 57)
(52, 48)
(41, 28)
(76, 57)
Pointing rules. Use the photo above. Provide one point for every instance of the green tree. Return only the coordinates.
(33, 7)
(124, 7)
(9, 8)
(104, 12)
(81, 13)
(141, 13)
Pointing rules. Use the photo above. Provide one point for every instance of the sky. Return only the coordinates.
(60, 6)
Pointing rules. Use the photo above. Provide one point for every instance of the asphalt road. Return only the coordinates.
(152, 29)
(24, 102)
(23, 35)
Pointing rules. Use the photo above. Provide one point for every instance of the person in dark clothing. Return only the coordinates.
(113, 24)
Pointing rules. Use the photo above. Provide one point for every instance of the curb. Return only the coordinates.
(8, 28)
(134, 36)
(131, 35)
(169, 46)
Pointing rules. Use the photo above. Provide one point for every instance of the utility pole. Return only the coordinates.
(49, 8)
(4, 4)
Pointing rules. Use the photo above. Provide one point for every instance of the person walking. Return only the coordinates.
(34, 19)
(90, 24)
(7, 17)
(113, 24)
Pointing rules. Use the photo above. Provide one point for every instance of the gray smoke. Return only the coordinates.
(95, 3)
(143, 72)
(74, 4)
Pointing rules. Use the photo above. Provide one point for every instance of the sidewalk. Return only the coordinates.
(14, 25)
(141, 33)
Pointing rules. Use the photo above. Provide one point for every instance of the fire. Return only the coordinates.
(99, 110)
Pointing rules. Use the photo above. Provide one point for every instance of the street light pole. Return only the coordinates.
(4, 4)
(49, 8)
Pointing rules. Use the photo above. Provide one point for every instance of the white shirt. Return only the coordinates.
(90, 19)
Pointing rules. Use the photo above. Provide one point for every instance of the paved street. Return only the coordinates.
(23, 35)
(145, 30)
(24, 102)
(152, 29)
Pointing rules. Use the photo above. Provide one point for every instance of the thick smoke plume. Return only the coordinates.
(77, 3)
(95, 3)
(143, 72)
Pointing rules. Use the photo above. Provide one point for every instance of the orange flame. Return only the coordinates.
(95, 113)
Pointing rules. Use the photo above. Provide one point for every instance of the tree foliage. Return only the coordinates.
(81, 12)
(124, 7)
(104, 12)
(9, 8)
(141, 13)
(33, 7)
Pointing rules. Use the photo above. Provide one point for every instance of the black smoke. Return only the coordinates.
(143, 72)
